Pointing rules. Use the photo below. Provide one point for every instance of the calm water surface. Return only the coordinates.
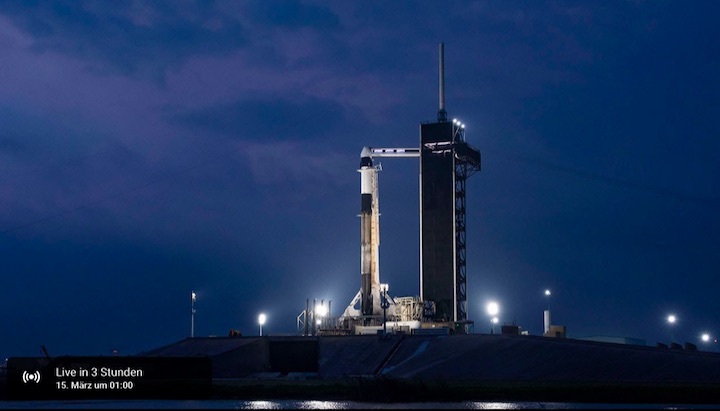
(331, 405)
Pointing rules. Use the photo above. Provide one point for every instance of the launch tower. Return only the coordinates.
(446, 162)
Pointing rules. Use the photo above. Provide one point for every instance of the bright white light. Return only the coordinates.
(262, 405)
(547, 292)
(321, 310)
(705, 337)
(495, 320)
(671, 319)
(324, 405)
(454, 120)
(318, 322)
(261, 319)
(193, 295)
(384, 287)
(493, 308)
(462, 125)
(497, 405)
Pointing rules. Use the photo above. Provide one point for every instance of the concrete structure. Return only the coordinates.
(473, 357)
(556, 331)
(614, 339)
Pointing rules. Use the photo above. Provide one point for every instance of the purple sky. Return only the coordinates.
(148, 149)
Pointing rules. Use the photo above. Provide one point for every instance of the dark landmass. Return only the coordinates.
(412, 368)
(476, 367)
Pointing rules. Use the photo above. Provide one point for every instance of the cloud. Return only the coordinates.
(265, 119)
(304, 167)
(128, 38)
(293, 14)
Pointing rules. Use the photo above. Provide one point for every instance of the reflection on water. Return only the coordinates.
(301, 405)
(330, 405)
(260, 405)
(322, 405)
(496, 405)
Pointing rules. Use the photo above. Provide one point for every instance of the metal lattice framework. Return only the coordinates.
(409, 308)
(460, 244)
(467, 163)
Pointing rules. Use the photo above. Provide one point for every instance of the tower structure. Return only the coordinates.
(446, 162)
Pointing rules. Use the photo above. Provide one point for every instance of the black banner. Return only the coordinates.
(37, 378)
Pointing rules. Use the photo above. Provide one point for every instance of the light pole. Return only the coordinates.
(493, 309)
(320, 312)
(261, 321)
(384, 304)
(193, 297)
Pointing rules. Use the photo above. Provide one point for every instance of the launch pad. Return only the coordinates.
(446, 162)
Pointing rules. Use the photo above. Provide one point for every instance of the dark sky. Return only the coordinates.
(148, 149)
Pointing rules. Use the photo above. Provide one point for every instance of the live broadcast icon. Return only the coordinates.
(31, 377)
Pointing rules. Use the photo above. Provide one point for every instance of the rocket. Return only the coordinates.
(369, 233)
(369, 296)
(370, 225)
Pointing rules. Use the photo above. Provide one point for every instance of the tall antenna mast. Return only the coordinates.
(442, 114)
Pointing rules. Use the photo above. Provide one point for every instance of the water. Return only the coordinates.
(330, 405)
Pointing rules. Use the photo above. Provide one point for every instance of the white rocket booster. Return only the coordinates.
(369, 294)
(369, 234)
